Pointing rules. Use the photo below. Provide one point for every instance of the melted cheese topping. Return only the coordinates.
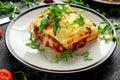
(68, 35)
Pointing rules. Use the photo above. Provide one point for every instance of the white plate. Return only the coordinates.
(17, 35)
(106, 2)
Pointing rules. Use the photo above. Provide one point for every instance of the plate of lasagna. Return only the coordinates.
(114, 2)
(60, 38)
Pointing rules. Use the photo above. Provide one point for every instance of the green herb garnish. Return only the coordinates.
(85, 55)
(114, 10)
(33, 44)
(106, 29)
(13, 14)
(43, 22)
(21, 72)
(55, 13)
(30, 3)
(9, 7)
(67, 1)
(79, 21)
(111, 11)
(82, 3)
(66, 56)
(55, 24)
(106, 33)
(116, 25)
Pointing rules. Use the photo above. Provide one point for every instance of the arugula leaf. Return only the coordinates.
(43, 22)
(6, 7)
(105, 31)
(13, 14)
(116, 25)
(67, 1)
(79, 21)
(55, 12)
(65, 9)
(55, 24)
(85, 55)
(82, 3)
(114, 10)
(94, 24)
(30, 3)
(66, 56)
(9, 7)
(33, 44)
(117, 39)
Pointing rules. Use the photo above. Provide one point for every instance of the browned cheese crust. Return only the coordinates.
(88, 33)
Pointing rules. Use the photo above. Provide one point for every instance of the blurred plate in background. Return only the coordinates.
(113, 2)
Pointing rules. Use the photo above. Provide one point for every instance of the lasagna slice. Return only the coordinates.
(73, 31)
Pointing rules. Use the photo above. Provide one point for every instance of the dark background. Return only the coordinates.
(109, 70)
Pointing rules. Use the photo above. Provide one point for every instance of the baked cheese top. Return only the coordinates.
(70, 31)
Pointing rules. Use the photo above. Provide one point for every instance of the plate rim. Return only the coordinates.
(105, 2)
(59, 71)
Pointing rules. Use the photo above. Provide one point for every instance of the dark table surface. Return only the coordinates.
(109, 70)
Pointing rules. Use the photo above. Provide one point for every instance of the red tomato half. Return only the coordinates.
(5, 74)
(0, 32)
(48, 1)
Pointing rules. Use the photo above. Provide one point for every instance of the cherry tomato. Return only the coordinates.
(0, 32)
(5, 74)
(48, 1)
